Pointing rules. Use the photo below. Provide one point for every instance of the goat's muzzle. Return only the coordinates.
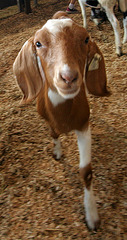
(68, 82)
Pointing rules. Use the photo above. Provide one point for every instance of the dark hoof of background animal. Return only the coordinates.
(120, 53)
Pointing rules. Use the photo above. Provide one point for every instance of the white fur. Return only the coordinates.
(57, 149)
(56, 25)
(68, 96)
(84, 144)
(55, 98)
(92, 216)
(125, 30)
(65, 68)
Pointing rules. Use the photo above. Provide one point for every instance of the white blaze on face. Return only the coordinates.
(56, 25)
(65, 68)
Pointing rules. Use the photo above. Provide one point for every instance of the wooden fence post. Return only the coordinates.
(20, 4)
(27, 6)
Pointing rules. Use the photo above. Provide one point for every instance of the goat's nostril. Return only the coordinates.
(64, 79)
(69, 78)
(75, 79)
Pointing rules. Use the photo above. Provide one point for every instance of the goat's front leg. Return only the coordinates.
(57, 152)
(84, 144)
(83, 10)
(123, 8)
(115, 24)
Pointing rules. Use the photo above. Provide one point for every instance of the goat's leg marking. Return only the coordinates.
(84, 143)
(86, 174)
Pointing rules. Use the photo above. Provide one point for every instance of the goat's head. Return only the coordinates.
(62, 54)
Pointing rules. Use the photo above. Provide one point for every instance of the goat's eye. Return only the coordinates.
(87, 40)
(38, 44)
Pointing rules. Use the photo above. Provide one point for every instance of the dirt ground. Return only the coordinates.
(41, 198)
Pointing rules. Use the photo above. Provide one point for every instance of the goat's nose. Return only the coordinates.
(69, 77)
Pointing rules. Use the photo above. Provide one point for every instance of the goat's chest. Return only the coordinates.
(71, 114)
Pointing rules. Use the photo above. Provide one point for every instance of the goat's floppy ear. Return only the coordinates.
(60, 15)
(96, 79)
(27, 72)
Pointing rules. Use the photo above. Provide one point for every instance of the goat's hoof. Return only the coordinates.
(119, 55)
(93, 226)
(119, 52)
(57, 156)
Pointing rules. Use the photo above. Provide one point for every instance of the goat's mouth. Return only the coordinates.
(68, 85)
(68, 93)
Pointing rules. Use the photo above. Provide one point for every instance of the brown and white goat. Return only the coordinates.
(55, 66)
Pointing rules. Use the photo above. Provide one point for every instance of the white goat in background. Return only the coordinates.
(108, 6)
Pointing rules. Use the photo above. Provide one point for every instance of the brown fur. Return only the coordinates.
(26, 71)
(86, 174)
(97, 84)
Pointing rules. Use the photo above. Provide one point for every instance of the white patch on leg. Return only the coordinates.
(84, 144)
(57, 152)
(92, 216)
